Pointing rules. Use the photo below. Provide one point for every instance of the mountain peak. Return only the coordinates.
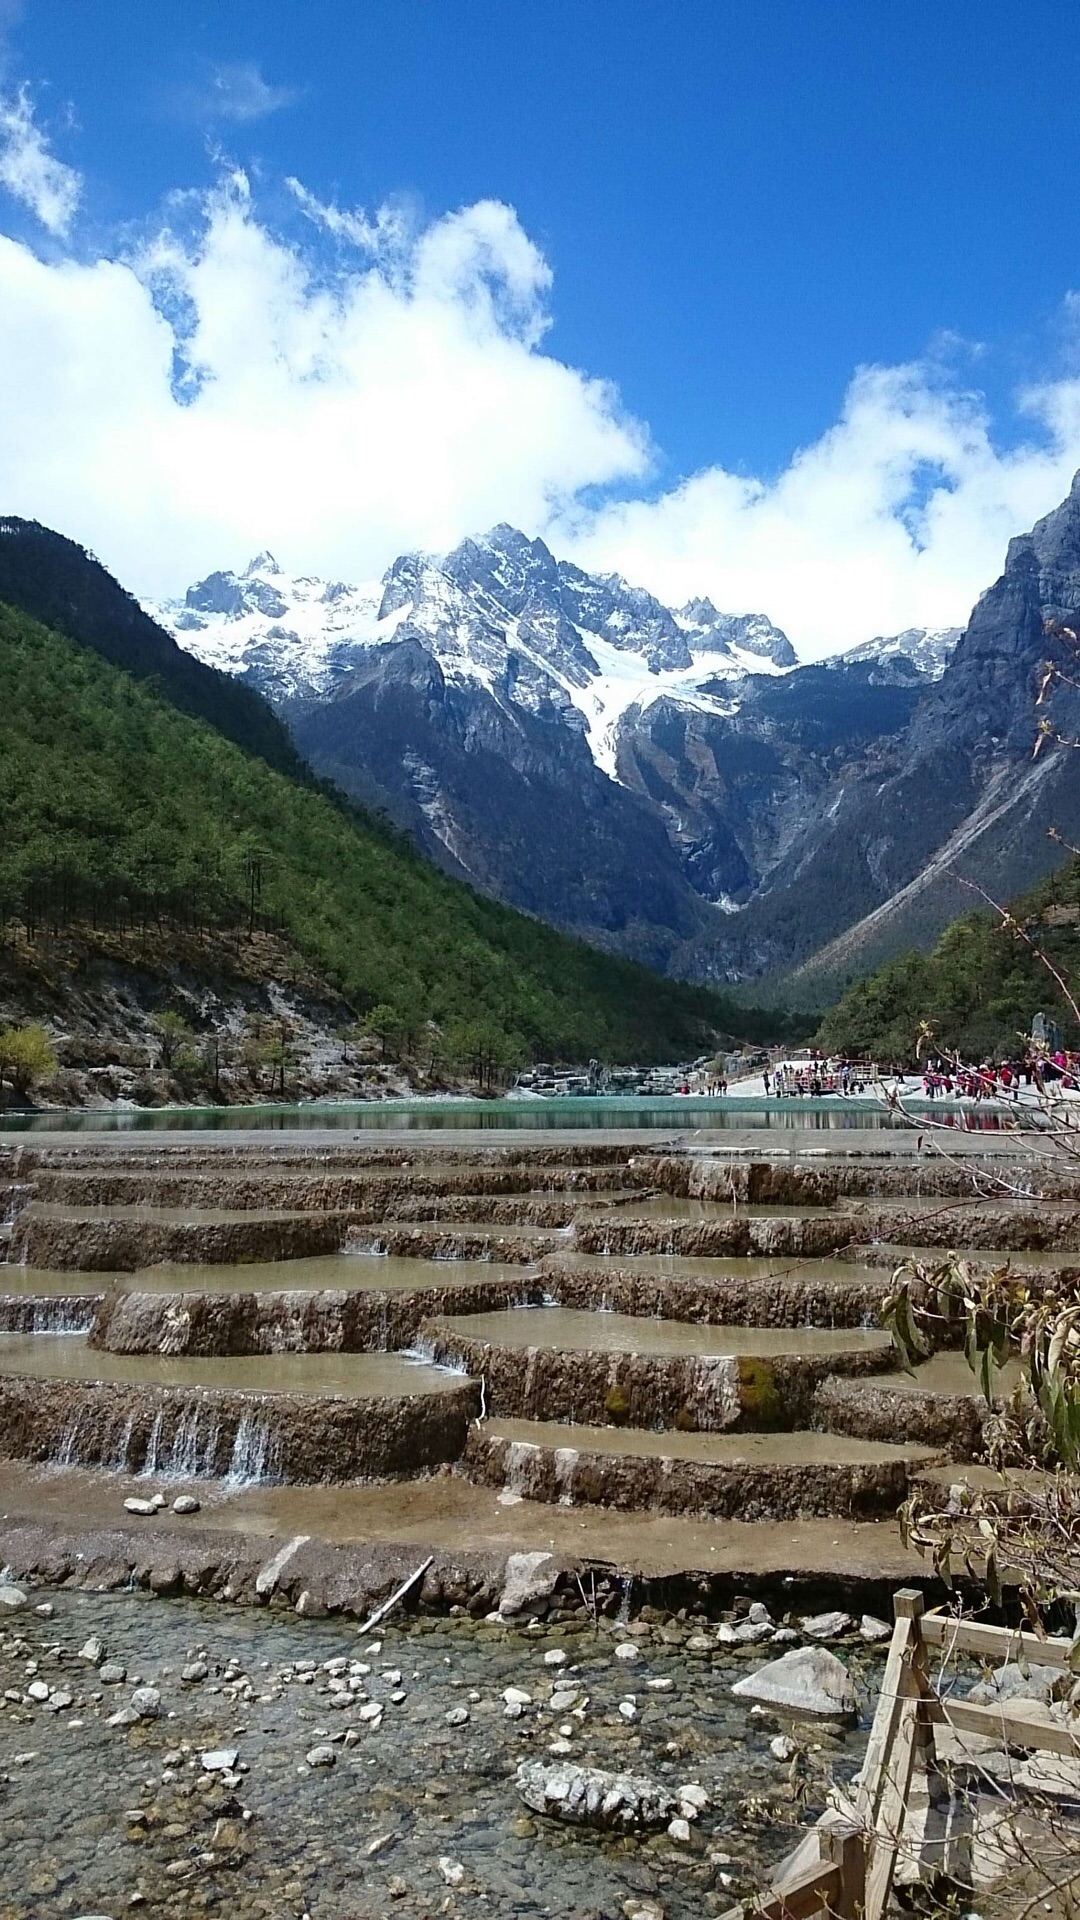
(263, 563)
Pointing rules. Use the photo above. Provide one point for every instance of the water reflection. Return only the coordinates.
(774, 1115)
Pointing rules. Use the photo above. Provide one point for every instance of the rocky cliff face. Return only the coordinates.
(959, 796)
(632, 771)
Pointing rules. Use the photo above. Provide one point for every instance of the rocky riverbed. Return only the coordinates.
(176, 1758)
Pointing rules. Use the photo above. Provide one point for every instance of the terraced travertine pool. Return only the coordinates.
(334, 1272)
(347, 1418)
(573, 1331)
(283, 1288)
(312, 1375)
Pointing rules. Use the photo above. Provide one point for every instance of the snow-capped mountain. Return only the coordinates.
(563, 739)
(499, 613)
(922, 651)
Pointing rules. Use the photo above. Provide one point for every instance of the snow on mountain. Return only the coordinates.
(926, 650)
(499, 612)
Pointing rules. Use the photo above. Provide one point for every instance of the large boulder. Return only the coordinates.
(530, 1579)
(1013, 1682)
(590, 1797)
(808, 1681)
(13, 1599)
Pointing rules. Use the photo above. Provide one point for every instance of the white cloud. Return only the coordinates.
(898, 516)
(238, 92)
(338, 417)
(31, 172)
(226, 390)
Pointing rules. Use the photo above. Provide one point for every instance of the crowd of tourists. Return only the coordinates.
(1002, 1080)
(815, 1077)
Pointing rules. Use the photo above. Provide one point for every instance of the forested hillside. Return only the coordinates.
(979, 989)
(57, 582)
(117, 808)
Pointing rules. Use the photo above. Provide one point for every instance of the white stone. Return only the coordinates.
(807, 1680)
(220, 1759)
(628, 1709)
(144, 1508)
(124, 1717)
(310, 1606)
(372, 1712)
(93, 1650)
(186, 1503)
(147, 1702)
(322, 1756)
(13, 1599)
(692, 1794)
(626, 1650)
(112, 1673)
(37, 1691)
(873, 1629)
(782, 1746)
(158, 1501)
(1012, 1682)
(661, 1683)
(701, 1643)
(759, 1615)
(517, 1697)
(554, 1657)
(457, 1717)
(751, 1631)
(827, 1626)
(528, 1577)
(679, 1829)
(563, 1699)
(783, 1637)
(589, 1796)
(451, 1871)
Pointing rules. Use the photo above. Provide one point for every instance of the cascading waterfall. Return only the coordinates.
(119, 1459)
(150, 1462)
(253, 1450)
(67, 1453)
(565, 1464)
(518, 1461)
(364, 1245)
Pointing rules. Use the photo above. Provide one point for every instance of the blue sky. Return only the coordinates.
(729, 210)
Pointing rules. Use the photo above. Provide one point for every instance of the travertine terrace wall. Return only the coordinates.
(329, 1320)
(793, 1183)
(114, 1244)
(872, 1410)
(743, 1491)
(743, 1233)
(203, 1432)
(711, 1393)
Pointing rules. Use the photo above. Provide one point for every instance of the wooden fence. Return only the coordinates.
(852, 1876)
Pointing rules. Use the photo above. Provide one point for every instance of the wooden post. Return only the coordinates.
(908, 1604)
(844, 1847)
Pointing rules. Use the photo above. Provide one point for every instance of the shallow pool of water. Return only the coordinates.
(349, 1273)
(689, 1267)
(354, 1375)
(664, 1206)
(568, 1329)
(365, 1837)
(716, 1449)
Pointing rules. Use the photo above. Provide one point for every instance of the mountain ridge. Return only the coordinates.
(561, 739)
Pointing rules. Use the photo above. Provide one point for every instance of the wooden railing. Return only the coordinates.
(852, 1876)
